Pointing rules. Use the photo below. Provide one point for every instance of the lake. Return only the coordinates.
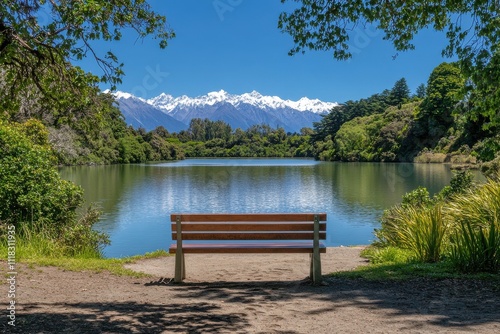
(137, 199)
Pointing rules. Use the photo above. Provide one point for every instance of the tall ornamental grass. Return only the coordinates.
(475, 241)
(419, 229)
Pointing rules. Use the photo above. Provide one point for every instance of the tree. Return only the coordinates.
(444, 90)
(329, 124)
(471, 27)
(400, 93)
(326, 24)
(39, 38)
(421, 91)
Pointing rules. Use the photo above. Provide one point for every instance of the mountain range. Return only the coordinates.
(239, 111)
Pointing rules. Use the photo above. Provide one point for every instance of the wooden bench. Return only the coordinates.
(249, 233)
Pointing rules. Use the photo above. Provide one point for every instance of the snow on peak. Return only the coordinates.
(168, 103)
(161, 99)
(123, 95)
(214, 97)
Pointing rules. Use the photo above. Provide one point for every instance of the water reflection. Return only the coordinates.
(137, 199)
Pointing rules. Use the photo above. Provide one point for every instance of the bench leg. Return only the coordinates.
(311, 267)
(315, 271)
(183, 266)
(315, 256)
(180, 270)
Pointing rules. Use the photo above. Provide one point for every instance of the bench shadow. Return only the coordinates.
(450, 303)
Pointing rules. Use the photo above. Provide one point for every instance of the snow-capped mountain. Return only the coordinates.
(168, 103)
(239, 111)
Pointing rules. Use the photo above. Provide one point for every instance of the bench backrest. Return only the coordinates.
(262, 226)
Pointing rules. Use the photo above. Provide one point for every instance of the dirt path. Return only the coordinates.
(248, 294)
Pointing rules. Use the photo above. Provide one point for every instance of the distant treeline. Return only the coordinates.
(206, 138)
(439, 123)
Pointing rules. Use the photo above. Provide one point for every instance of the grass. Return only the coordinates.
(395, 264)
(37, 245)
(418, 229)
(114, 266)
(476, 241)
(42, 253)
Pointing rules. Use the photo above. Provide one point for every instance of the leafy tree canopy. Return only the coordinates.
(472, 29)
(471, 26)
(400, 93)
(39, 38)
(421, 91)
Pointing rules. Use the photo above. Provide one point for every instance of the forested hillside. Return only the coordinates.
(439, 123)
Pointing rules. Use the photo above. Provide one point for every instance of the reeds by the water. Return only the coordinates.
(462, 227)
(475, 243)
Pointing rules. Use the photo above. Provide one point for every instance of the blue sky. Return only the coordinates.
(235, 45)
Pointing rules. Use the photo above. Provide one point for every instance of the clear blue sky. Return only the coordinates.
(235, 45)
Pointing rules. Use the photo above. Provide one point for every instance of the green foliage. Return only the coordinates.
(460, 183)
(461, 225)
(476, 249)
(206, 138)
(131, 149)
(34, 198)
(421, 91)
(79, 238)
(488, 149)
(332, 121)
(433, 129)
(387, 254)
(444, 89)
(377, 137)
(417, 198)
(327, 25)
(36, 50)
(476, 241)
(491, 169)
(30, 186)
(400, 93)
(418, 229)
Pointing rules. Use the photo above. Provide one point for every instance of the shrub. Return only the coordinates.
(30, 186)
(459, 184)
(34, 198)
(476, 240)
(421, 230)
(417, 197)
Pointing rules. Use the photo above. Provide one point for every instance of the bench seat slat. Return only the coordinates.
(249, 236)
(232, 226)
(290, 247)
(241, 217)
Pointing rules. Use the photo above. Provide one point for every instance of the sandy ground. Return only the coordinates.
(247, 294)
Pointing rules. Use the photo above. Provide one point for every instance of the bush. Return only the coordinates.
(491, 169)
(35, 199)
(418, 229)
(30, 186)
(417, 197)
(459, 184)
(476, 240)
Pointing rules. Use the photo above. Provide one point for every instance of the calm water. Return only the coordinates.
(138, 199)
